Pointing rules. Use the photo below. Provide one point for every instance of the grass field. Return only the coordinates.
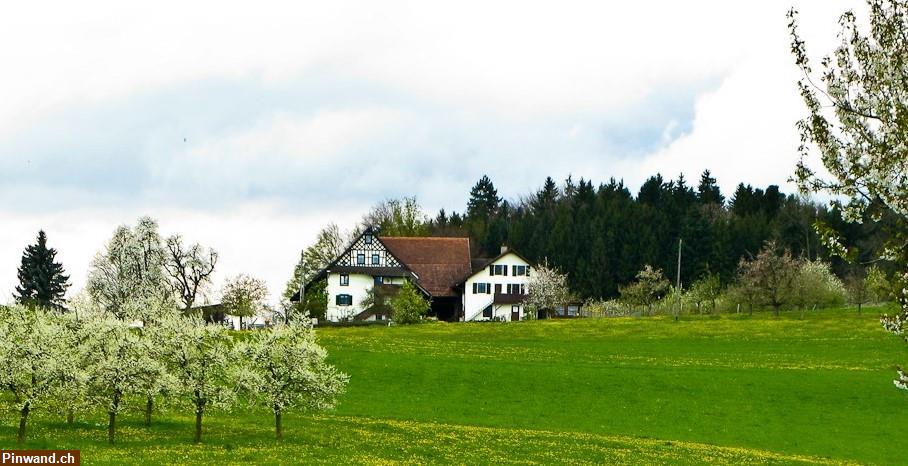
(729, 389)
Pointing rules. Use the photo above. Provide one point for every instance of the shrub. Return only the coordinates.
(408, 306)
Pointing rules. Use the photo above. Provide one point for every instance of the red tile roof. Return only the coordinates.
(439, 262)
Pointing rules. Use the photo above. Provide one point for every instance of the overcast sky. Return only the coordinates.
(248, 128)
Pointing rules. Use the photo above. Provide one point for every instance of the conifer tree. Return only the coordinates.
(41, 280)
(482, 208)
(708, 191)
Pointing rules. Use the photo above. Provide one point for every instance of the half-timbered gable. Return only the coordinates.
(368, 251)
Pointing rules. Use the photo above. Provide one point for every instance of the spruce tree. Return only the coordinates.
(708, 191)
(484, 200)
(481, 212)
(41, 280)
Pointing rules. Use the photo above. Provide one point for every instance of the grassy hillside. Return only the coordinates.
(712, 389)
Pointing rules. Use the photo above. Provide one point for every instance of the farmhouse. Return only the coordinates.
(443, 270)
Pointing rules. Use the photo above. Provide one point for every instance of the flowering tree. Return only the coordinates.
(199, 357)
(815, 284)
(131, 268)
(770, 276)
(547, 288)
(155, 338)
(32, 357)
(69, 393)
(856, 124)
(119, 365)
(288, 371)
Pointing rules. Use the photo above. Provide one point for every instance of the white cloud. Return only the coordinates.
(297, 113)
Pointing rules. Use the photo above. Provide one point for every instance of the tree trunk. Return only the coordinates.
(241, 323)
(775, 309)
(112, 419)
(70, 415)
(198, 424)
(149, 405)
(278, 429)
(111, 427)
(23, 420)
(859, 308)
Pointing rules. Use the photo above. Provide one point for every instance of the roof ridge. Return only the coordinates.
(425, 237)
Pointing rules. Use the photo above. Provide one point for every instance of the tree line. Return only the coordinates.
(602, 236)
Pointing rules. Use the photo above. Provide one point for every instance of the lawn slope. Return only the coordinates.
(730, 389)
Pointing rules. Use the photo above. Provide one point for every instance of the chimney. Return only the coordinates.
(504, 249)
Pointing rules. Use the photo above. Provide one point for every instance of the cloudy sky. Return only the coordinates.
(247, 128)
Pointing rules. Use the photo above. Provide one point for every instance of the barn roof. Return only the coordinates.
(439, 262)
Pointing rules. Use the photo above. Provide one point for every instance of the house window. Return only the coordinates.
(367, 239)
(379, 280)
(360, 259)
(345, 279)
(520, 270)
(516, 288)
(487, 312)
(376, 259)
(343, 300)
(481, 288)
(498, 270)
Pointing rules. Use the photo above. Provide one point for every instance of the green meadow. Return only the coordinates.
(706, 389)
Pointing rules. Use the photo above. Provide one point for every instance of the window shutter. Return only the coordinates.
(488, 288)
(474, 288)
(491, 270)
(514, 270)
(505, 268)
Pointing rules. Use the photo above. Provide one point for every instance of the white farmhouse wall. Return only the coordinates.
(359, 285)
(473, 304)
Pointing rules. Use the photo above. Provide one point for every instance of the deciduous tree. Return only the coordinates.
(189, 267)
(649, 287)
(287, 371)
(120, 364)
(200, 357)
(857, 127)
(130, 269)
(34, 359)
(244, 296)
(398, 217)
(771, 274)
(547, 288)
